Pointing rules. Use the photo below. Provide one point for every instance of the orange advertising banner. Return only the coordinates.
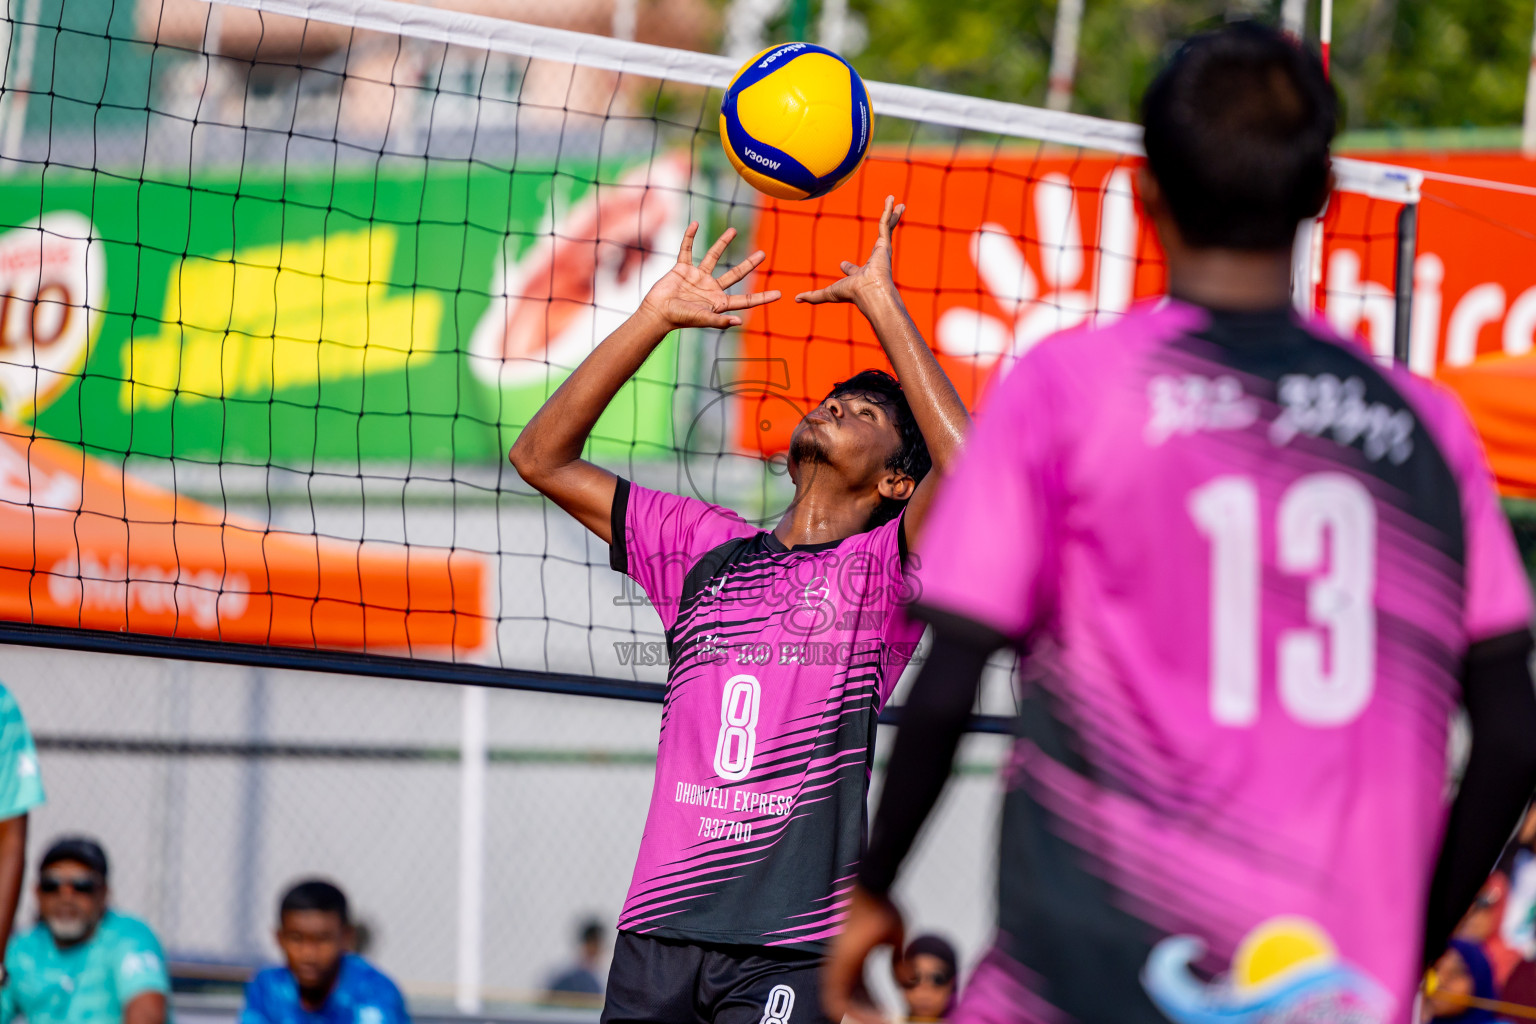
(997, 251)
(994, 253)
(82, 544)
(1474, 291)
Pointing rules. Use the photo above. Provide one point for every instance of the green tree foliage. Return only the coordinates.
(1397, 63)
(1430, 63)
(999, 49)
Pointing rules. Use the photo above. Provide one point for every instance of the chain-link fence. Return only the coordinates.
(213, 787)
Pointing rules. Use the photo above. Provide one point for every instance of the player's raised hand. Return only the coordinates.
(872, 922)
(692, 296)
(874, 278)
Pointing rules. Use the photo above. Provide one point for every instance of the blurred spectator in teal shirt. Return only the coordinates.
(83, 963)
(21, 789)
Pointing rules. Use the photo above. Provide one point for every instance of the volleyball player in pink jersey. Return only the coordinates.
(1255, 573)
(783, 644)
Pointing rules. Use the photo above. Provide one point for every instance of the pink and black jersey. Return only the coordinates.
(780, 661)
(1248, 563)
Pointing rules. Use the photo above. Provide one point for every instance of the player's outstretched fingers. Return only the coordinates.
(842, 291)
(712, 257)
(685, 251)
(848, 267)
(754, 299)
(720, 321)
(890, 218)
(742, 269)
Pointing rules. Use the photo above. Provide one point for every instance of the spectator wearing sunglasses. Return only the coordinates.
(83, 963)
(323, 981)
(928, 978)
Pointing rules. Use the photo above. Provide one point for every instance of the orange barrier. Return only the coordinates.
(1500, 394)
(82, 544)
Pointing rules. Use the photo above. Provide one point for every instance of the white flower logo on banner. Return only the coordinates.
(1068, 298)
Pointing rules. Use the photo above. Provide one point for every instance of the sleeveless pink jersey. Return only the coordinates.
(780, 661)
(1248, 563)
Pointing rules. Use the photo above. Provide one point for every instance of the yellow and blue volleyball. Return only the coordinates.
(795, 121)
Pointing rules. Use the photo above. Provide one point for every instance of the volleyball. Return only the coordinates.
(795, 121)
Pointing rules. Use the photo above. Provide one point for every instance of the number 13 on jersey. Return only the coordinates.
(1325, 529)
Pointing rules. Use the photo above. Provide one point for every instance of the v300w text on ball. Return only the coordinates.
(795, 121)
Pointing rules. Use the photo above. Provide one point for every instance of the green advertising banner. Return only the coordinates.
(423, 313)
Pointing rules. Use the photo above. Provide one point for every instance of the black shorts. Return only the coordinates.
(667, 981)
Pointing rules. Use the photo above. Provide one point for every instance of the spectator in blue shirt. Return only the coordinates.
(581, 978)
(324, 982)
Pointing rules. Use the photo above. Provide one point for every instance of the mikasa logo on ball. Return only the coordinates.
(791, 48)
(752, 154)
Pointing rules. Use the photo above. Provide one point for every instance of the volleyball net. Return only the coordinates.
(281, 280)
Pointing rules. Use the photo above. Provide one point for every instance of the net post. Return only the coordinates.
(1069, 23)
(14, 93)
(1528, 123)
(1303, 280)
(1407, 252)
(1293, 16)
(472, 759)
(799, 18)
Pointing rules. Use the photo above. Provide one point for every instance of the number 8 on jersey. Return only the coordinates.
(739, 704)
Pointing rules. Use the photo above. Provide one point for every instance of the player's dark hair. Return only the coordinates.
(911, 456)
(315, 894)
(1238, 127)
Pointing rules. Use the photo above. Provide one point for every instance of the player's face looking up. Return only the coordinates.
(313, 942)
(853, 432)
(71, 899)
(863, 441)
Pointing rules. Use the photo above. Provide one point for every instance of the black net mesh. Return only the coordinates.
(279, 294)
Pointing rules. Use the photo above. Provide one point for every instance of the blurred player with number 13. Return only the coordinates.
(1256, 573)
